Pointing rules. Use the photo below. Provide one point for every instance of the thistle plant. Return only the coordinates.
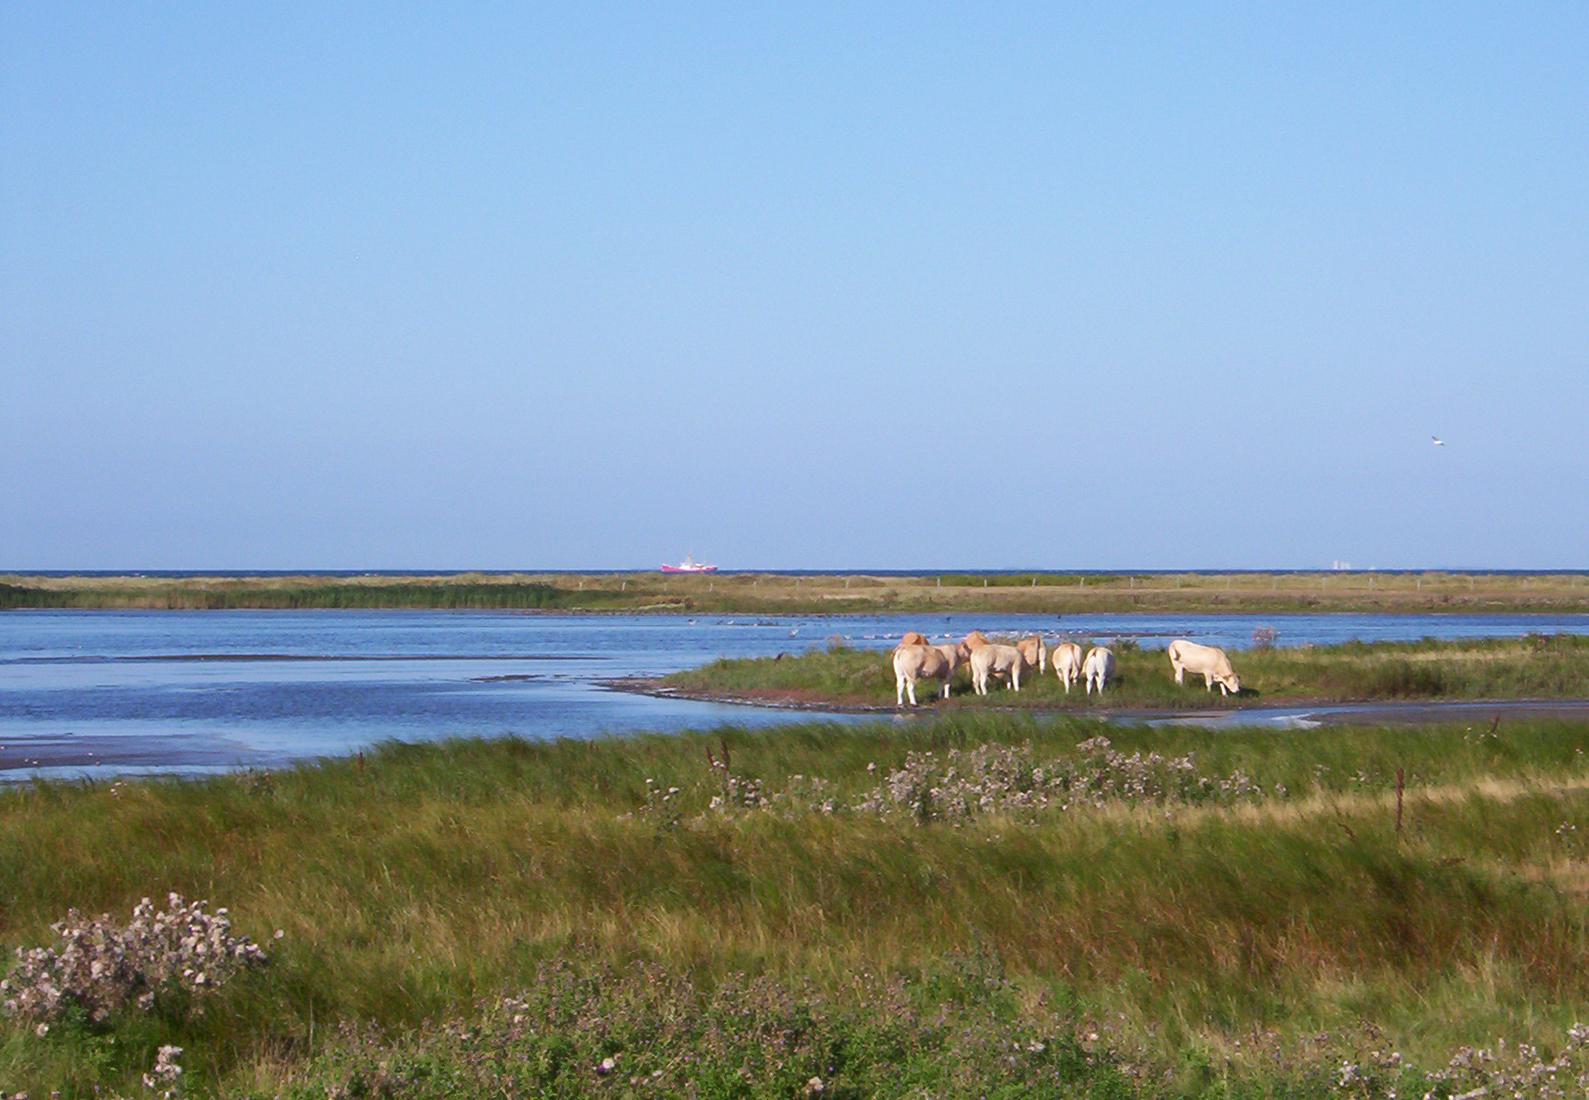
(100, 967)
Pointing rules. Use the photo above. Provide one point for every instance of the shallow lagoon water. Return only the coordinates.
(107, 692)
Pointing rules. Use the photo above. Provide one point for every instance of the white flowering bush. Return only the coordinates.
(961, 784)
(100, 967)
(1517, 1070)
(165, 1077)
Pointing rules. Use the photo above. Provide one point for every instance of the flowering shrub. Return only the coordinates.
(99, 966)
(963, 783)
(1511, 1070)
(165, 1077)
(1009, 779)
(738, 792)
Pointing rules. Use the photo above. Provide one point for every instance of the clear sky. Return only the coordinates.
(513, 285)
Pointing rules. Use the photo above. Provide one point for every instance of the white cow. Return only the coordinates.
(995, 660)
(1206, 661)
(1067, 663)
(923, 662)
(1098, 667)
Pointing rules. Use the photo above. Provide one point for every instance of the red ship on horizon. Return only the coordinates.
(689, 565)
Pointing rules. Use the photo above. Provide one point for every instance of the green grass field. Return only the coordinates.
(978, 904)
(749, 593)
(1535, 667)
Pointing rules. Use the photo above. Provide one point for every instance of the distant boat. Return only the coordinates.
(689, 565)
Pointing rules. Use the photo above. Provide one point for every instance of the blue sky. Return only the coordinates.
(796, 285)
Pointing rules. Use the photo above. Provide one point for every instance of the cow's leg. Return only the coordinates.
(1015, 677)
(899, 690)
(1180, 673)
(910, 686)
(946, 680)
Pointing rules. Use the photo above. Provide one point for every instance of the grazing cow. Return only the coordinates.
(1206, 661)
(1098, 667)
(922, 662)
(1067, 663)
(975, 640)
(995, 660)
(1033, 653)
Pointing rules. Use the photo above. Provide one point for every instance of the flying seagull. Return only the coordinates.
(1438, 442)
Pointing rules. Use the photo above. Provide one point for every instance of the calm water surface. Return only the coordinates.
(106, 692)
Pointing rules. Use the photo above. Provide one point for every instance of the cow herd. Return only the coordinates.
(916, 658)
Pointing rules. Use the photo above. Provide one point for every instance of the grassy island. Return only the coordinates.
(980, 904)
(1534, 667)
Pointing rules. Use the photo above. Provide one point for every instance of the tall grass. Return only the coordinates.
(1534, 667)
(417, 882)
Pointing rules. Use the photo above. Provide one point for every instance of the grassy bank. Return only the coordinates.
(1534, 667)
(1046, 593)
(982, 903)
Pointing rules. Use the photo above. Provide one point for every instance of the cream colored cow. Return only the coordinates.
(1067, 663)
(913, 638)
(1098, 668)
(1207, 661)
(922, 662)
(995, 660)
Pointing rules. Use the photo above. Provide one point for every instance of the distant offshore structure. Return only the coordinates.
(689, 565)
